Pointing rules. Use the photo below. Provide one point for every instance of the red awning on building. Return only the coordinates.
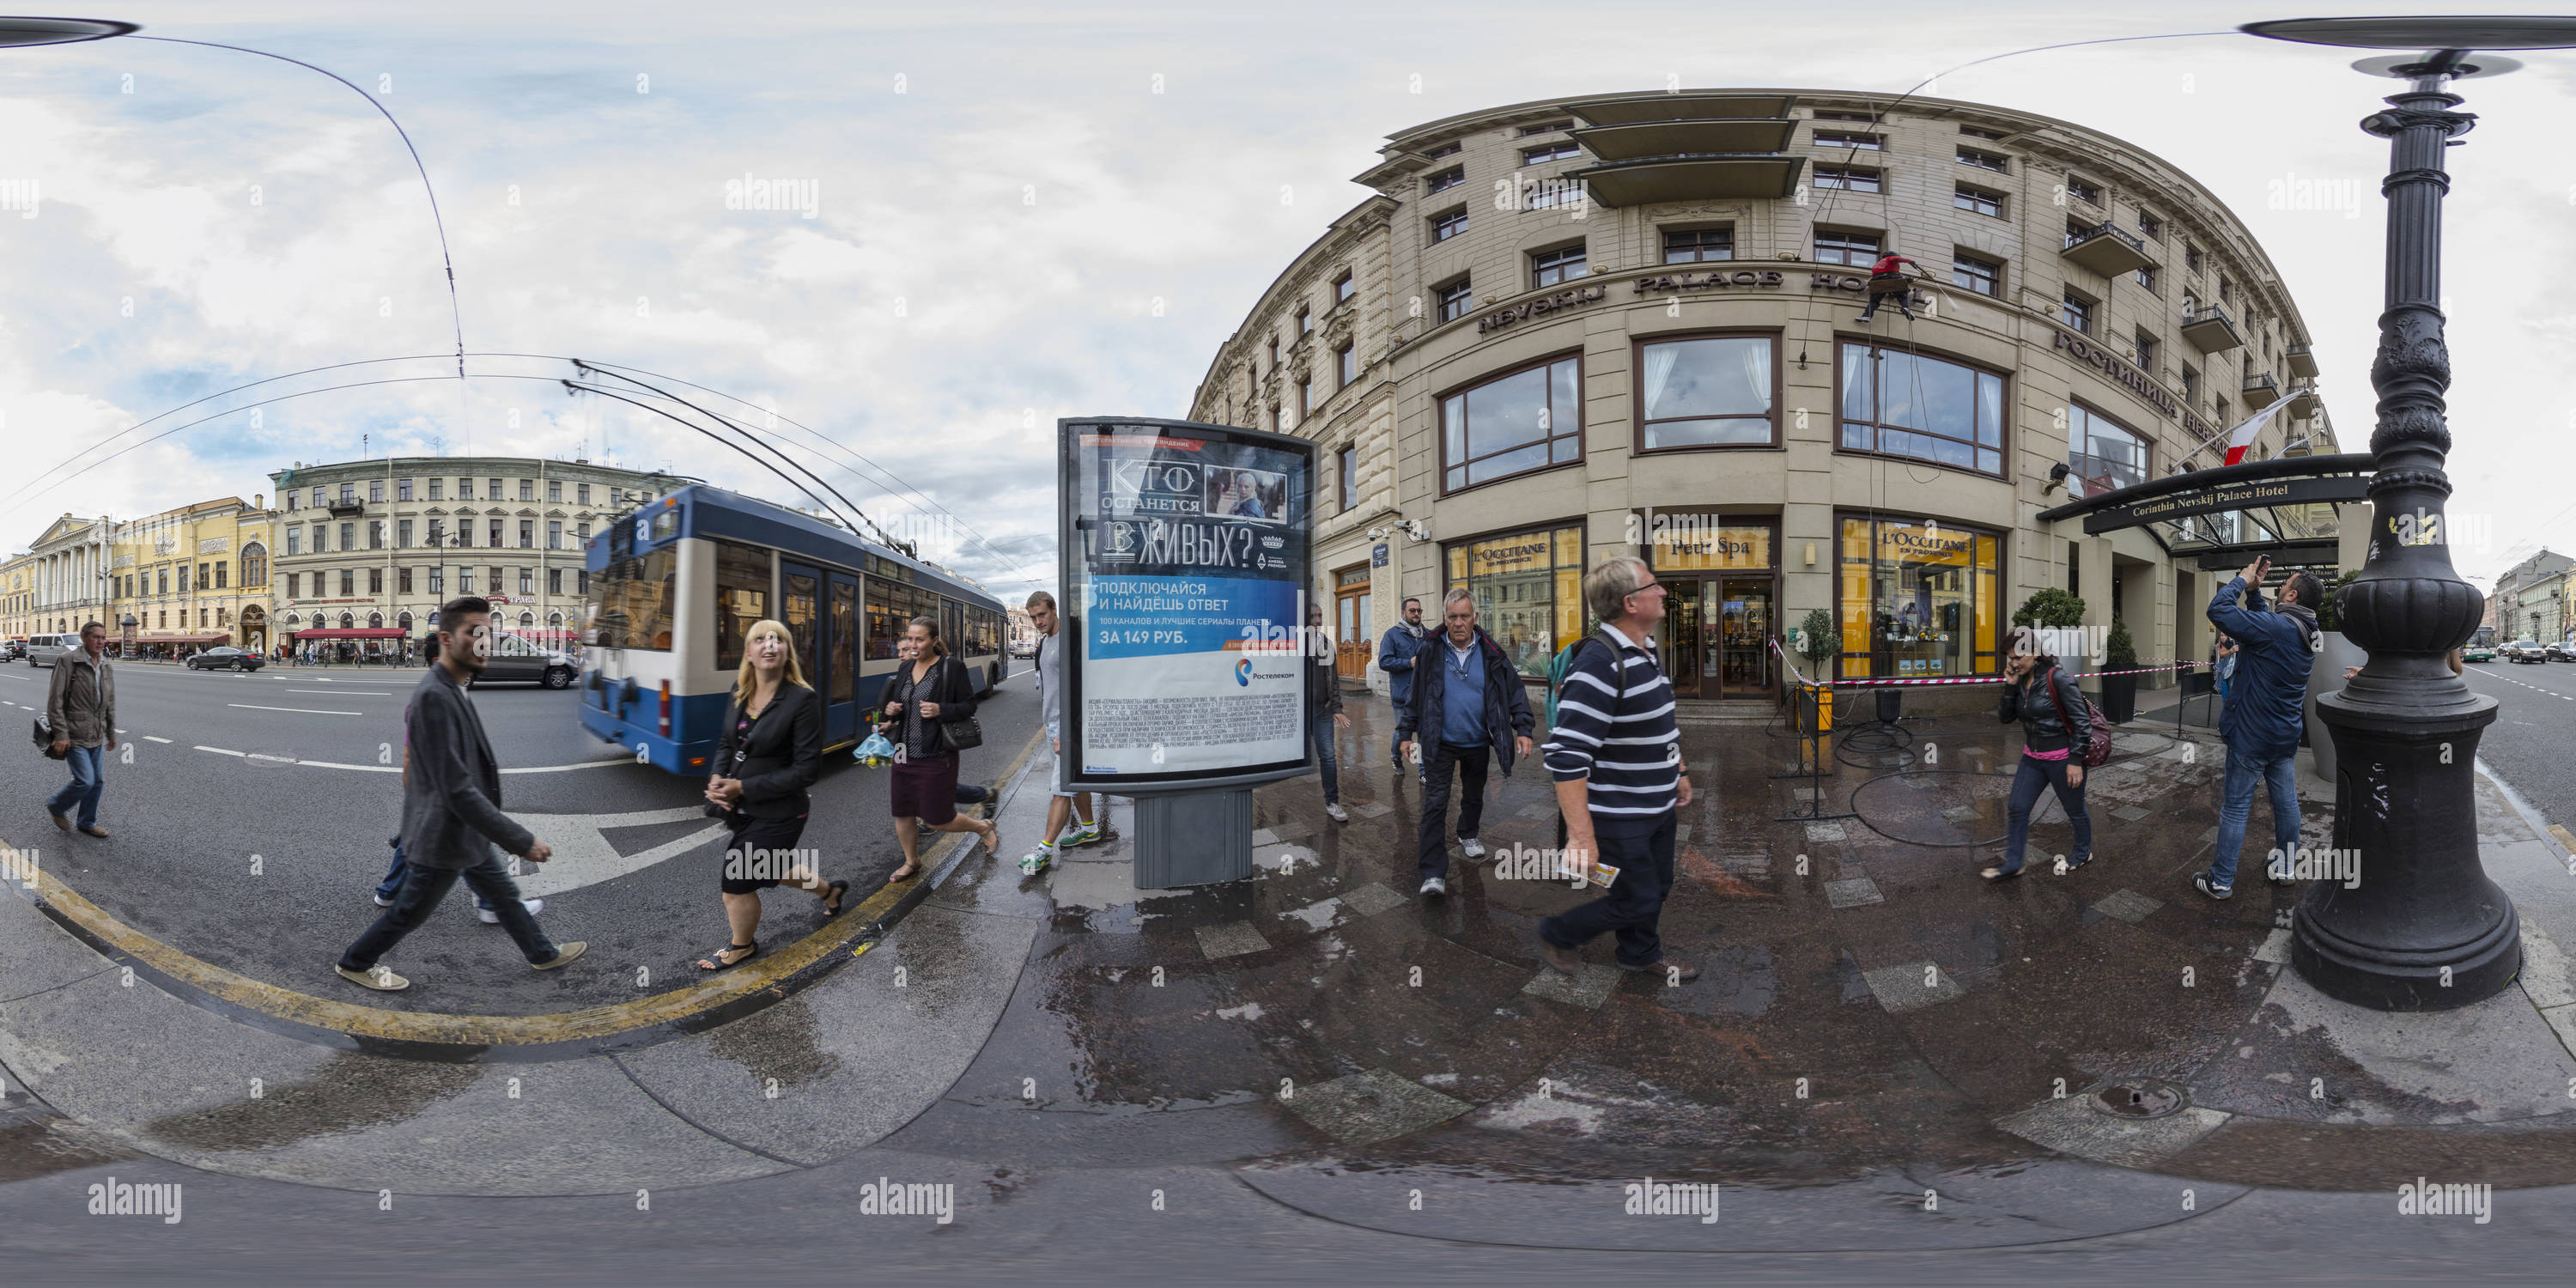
(348, 633)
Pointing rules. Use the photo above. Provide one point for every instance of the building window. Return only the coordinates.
(584, 532)
(2218, 411)
(1305, 398)
(1985, 160)
(2191, 257)
(254, 565)
(402, 534)
(1918, 600)
(554, 583)
(528, 582)
(493, 492)
(375, 491)
(1847, 178)
(2102, 453)
(1526, 420)
(1529, 591)
(1848, 139)
(1549, 127)
(348, 536)
(581, 581)
(1448, 149)
(348, 494)
(1344, 288)
(375, 534)
(295, 585)
(465, 490)
(291, 494)
(1455, 299)
(1346, 365)
(1984, 276)
(2150, 227)
(1910, 404)
(437, 487)
(1448, 224)
(375, 581)
(494, 528)
(348, 582)
(2146, 353)
(1699, 245)
(437, 534)
(527, 534)
(1305, 321)
(1564, 264)
(554, 534)
(1346, 468)
(402, 580)
(219, 574)
(1978, 200)
(495, 583)
(1713, 391)
(1856, 249)
(2076, 312)
(2190, 385)
(1444, 180)
(1546, 152)
(437, 580)
(203, 582)
(554, 490)
(2226, 290)
(295, 541)
(2147, 276)
(402, 490)
(464, 579)
(2083, 191)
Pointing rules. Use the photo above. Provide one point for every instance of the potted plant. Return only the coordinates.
(2051, 608)
(2120, 692)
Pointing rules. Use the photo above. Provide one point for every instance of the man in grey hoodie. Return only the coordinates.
(452, 817)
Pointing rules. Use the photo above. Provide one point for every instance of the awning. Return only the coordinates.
(2283, 507)
(348, 633)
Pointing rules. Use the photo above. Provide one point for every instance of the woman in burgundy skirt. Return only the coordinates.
(921, 697)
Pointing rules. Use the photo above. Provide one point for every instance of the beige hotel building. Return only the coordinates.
(1629, 324)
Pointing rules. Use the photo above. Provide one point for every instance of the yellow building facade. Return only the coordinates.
(193, 578)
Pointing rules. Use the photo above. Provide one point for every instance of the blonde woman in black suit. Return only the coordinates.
(770, 752)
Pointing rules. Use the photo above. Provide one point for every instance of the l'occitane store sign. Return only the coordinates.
(1921, 545)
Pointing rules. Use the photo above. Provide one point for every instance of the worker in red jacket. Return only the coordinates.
(1886, 281)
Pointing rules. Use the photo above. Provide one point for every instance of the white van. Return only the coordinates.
(43, 649)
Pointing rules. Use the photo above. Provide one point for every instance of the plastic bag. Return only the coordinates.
(875, 751)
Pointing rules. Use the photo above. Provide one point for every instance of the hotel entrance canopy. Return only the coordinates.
(2223, 517)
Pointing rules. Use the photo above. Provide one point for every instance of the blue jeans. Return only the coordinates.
(422, 888)
(392, 884)
(2027, 781)
(89, 780)
(1319, 735)
(2281, 775)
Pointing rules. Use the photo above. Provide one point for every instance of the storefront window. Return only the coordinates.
(2102, 453)
(1918, 600)
(1528, 420)
(1529, 591)
(1711, 392)
(1908, 404)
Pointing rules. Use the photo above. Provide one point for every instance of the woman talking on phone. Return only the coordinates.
(926, 698)
(770, 751)
(2055, 725)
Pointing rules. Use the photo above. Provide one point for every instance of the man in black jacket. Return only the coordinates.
(452, 815)
(1469, 704)
(1324, 709)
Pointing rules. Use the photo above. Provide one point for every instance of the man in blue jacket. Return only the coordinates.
(1395, 655)
(2266, 707)
(1469, 701)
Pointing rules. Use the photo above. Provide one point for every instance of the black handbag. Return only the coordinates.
(962, 734)
(45, 739)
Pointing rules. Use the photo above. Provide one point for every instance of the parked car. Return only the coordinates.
(226, 658)
(12, 650)
(513, 658)
(43, 649)
(2478, 653)
(2524, 651)
(2560, 651)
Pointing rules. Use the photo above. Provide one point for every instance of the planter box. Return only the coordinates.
(2120, 698)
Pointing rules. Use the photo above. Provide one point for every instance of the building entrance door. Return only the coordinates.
(1742, 648)
(1684, 645)
(1351, 618)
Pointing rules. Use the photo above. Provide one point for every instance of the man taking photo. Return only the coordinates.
(2265, 709)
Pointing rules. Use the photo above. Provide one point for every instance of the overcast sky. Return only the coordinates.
(1019, 213)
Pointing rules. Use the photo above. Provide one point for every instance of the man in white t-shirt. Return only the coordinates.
(1064, 805)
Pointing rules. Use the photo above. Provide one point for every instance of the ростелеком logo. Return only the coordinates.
(1243, 673)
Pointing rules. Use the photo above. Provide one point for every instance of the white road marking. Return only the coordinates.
(333, 693)
(302, 711)
(149, 738)
(584, 857)
(557, 769)
(370, 769)
(220, 751)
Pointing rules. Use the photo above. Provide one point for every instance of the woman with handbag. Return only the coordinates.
(2055, 725)
(933, 705)
(769, 753)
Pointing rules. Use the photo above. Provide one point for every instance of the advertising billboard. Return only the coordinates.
(1184, 572)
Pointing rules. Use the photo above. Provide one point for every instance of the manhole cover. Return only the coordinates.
(2144, 1099)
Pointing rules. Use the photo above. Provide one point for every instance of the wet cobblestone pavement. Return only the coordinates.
(1869, 1007)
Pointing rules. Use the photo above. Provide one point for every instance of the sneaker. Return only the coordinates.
(377, 978)
(383, 902)
(563, 953)
(1079, 833)
(1474, 848)
(1562, 959)
(492, 917)
(2201, 883)
(1037, 860)
(1434, 887)
(2279, 875)
(1335, 812)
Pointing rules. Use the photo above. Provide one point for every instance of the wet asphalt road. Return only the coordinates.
(266, 867)
(2532, 743)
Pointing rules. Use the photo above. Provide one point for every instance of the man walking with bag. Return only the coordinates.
(452, 819)
(1469, 703)
(2265, 710)
(1616, 754)
(80, 708)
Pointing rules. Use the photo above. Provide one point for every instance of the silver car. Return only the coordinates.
(42, 650)
(513, 658)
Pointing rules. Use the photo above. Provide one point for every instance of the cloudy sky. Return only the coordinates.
(1018, 212)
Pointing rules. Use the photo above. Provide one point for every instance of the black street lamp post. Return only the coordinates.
(2424, 928)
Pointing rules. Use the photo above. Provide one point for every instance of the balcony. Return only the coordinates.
(2303, 402)
(1687, 147)
(2104, 248)
(2303, 362)
(2261, 391)
(1636, 142)
(345, 509)
(2209, 330)
(1637, 183)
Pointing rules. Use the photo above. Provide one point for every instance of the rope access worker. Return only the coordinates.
(1887, 280)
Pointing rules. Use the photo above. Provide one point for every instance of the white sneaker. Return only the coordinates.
(1336, 813)
(383, 902)
(1435, 887)
(493, 918)
(1475, 849)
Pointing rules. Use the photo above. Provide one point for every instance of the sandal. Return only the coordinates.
(993, 839)
(714, 961)
(2000, 873)
(833, 896)
(903, 874)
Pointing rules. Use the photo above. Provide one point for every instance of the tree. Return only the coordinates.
(2049, 607)
(1821, 638)
(2120, 653)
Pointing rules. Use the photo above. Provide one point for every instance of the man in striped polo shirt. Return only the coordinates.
(1617, 758)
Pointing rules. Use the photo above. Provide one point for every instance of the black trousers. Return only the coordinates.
(1471, 763)
(422, 889)
(1635, 901)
